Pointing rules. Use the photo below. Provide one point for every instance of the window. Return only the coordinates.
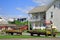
(59, 5)
(51, 14)
(44, 17)
(54, 6)
(36, 24)
(35, 17)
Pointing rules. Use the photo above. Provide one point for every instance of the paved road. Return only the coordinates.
(33, 39)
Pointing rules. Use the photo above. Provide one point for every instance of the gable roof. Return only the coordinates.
(41, 8)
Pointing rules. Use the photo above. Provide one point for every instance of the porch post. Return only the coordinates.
(28, 25)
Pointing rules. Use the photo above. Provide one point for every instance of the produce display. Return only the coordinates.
(46, 32)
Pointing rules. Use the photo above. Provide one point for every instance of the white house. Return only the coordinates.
(3, 21)
(50, 12)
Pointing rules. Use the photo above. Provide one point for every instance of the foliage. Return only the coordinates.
(54, 30)
(19, 22)
(25, 23)
(11, 22)
(30, 26)
(37, 30)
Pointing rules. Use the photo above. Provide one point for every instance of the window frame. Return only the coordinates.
(51, 14)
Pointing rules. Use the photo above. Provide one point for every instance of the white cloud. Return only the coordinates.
(24, 10)
(21, 16)
(42, 2)
(39, 2)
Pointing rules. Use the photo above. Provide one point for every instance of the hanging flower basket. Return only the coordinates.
(47, 22)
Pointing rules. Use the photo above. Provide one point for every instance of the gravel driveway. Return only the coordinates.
(33, 39)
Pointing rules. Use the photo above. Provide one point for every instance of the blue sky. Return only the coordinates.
(19, 8)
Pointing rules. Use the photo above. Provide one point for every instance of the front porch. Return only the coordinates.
(38, 25)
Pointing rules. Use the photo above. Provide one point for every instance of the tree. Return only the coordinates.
(19, 22)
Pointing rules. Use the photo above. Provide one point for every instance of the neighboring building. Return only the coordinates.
(7, 26)
(22, 19)
(19, 19)
(50, 12)
(3, 21)
(11, 19)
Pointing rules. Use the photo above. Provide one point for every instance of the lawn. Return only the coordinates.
(58, 34)
(21, 36)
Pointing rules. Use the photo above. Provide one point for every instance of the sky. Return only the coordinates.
(19, 8)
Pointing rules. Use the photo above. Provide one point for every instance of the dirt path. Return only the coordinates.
(33, 39)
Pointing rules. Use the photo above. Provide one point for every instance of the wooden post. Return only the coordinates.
(51, 30)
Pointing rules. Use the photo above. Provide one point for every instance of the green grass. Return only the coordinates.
(21, 36)
(58, 34)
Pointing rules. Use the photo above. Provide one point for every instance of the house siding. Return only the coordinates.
(56, 14)
(35, 23)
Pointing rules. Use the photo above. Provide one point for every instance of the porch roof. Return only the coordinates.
(39, 9)
(7, 25)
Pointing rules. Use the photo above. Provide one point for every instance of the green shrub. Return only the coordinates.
(37, 30)
(54, 30)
